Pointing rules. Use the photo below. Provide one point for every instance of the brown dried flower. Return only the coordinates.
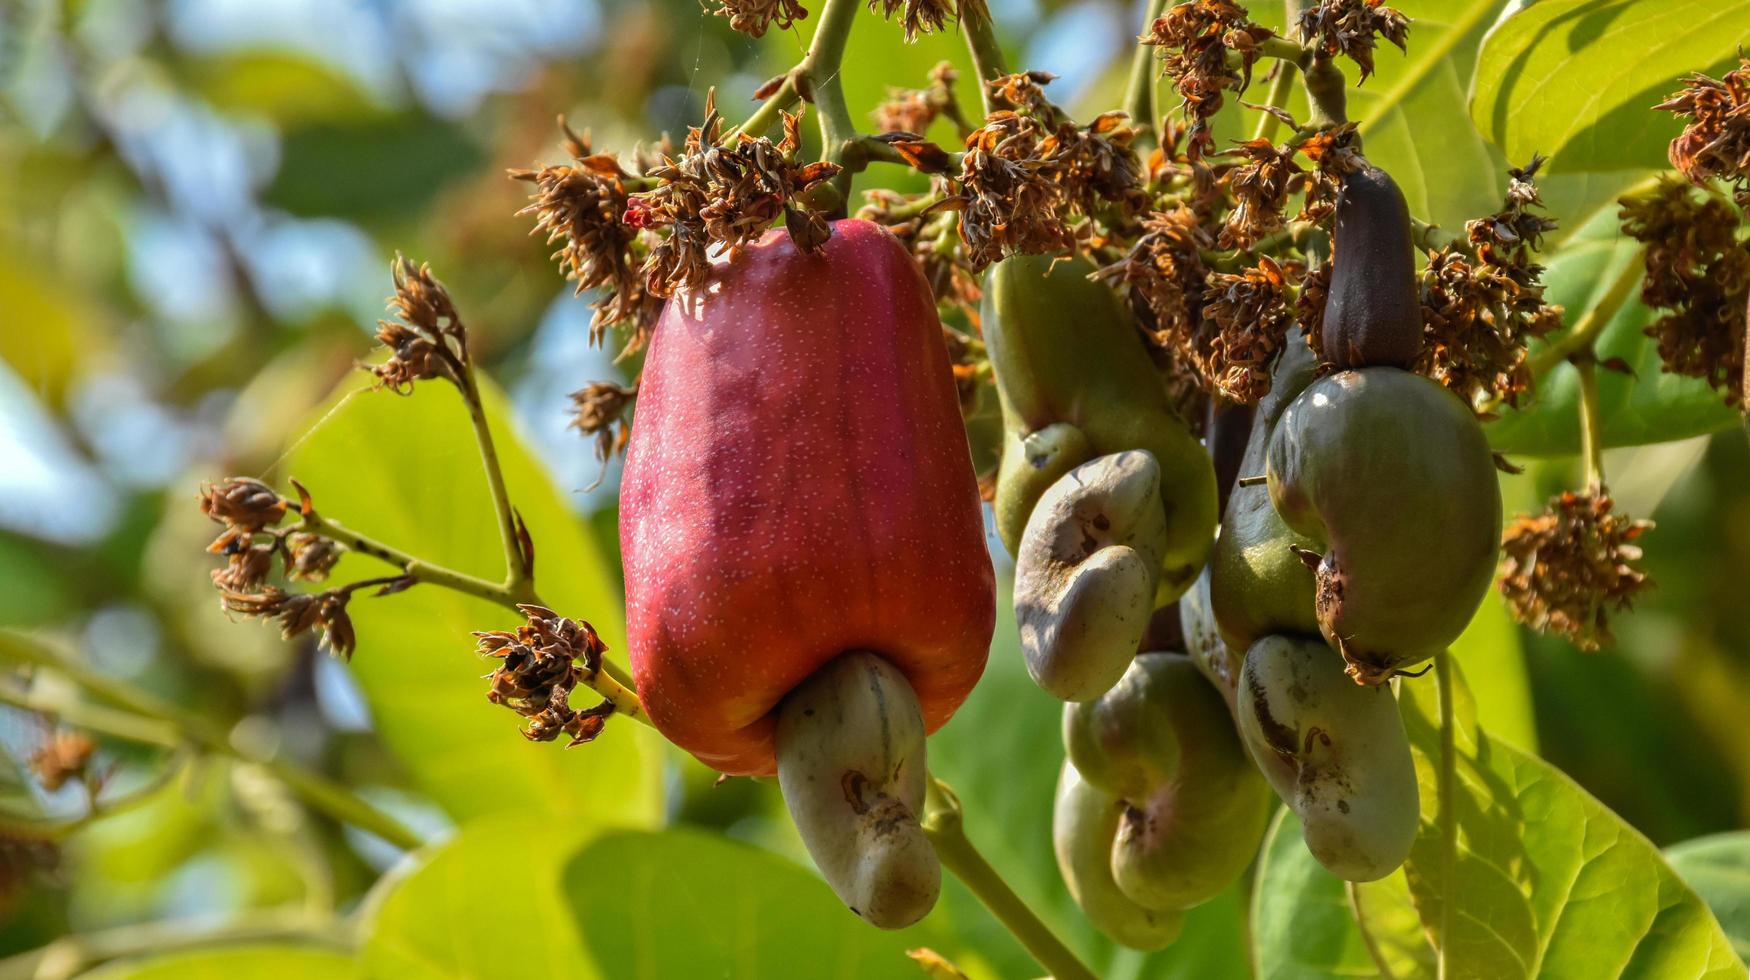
(599, 410)
(1350, 27)
(1699, 272)
(582, 206)
(1195, 39)
(1163, 274)
(913, 110)
(918, 16)
(243, 502)
(63, 756)
(1479, 311)
(725, 193)
(1716, 143)
(1260, 189)
(755, 17)
(300, 612)
(246, 568)
(1566, 568)
(538, 670)
(428, 340)
(1250, 317)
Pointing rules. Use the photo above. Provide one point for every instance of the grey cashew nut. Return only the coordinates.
(850, 745)
(1336, 753)
(1086, 573)
(1084, 824)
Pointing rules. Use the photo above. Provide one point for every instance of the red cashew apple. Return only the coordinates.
(799, 486)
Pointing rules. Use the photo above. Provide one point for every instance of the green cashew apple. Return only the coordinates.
(1086, 571)
(1203, 640)
(1163, 743)
(1336, 753)
(1373, 309)
(1083, 825)
(1392, 475)
(1257, 584)
(1075, 382)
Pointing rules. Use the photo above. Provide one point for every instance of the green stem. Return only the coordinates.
(1591, 421)
(319, 791)
(1276, 99)
(820, 73)
(1448, 814)
(516, 580)
(1592, 323)
(943, 825)
(1427, 60)
(981, 41)
(1139, 93)
(611, 682)
(767, 114)
(1373, 950)
(75, 954)
(1327, 93)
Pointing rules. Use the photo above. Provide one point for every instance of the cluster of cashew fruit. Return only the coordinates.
(1359, 543)
(808, 591)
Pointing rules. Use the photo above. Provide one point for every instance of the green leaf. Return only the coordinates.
(1304, 922)
(1649, 406)
(684, 904)
(1576, 80)
(1490, 651)
(405, 471)
(1547, 880)
(1008, 816)
(1718, 868)
(374, 169)
(259, 961)
(445, 915)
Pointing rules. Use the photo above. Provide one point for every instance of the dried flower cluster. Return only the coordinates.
(581, 207)
(755, 17)
(1246, 317)
(1479, 307)
(1259, 189)
(1698, 272)
(599, 411)
(426, 338)
(1031, 179)
(62, 757)
(251, 511)
(921, 16)
(1196, 39)
(909, 110)
(538, 668)
(1567, 568)
(1716, 142)
(725, 192)
(1351, 28)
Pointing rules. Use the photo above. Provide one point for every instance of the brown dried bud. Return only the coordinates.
(1350, 27)
(599, 410)
(310, 557)
(919, 16)
(539, 669)
(430, 340)
(246, 568)
(298, 613)
(243, 502)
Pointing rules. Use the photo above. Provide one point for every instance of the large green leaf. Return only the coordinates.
(1547, 881)
(1649, 406)
(445, 914)
(1718, 868)
(260, 961)
(1492, 655)
(378, 168)
(1306, 923)
(1008, 816)
(684, 904)
(405, 471)
(1576, 80)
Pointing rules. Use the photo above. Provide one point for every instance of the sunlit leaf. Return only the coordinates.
(1648, 406)
(1718, 868)
(1576, 80)
(259, 961)
(405, 470)
(1547, 881)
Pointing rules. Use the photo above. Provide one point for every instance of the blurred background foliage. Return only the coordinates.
(199, 200)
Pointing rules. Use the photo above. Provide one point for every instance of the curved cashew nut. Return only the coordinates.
(1086, 574)
(1349, 776)
(850, 744)
(1083, 825)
